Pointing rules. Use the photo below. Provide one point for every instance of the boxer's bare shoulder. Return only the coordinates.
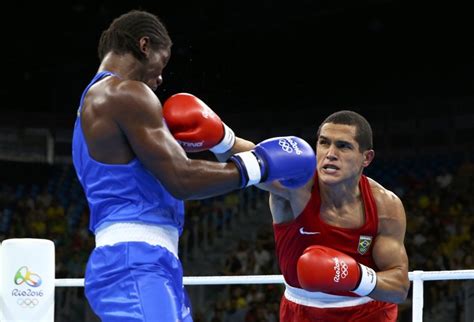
(389, 205)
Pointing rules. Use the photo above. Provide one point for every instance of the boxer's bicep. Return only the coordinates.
(240, 145)
(389, 253)
(389, 250)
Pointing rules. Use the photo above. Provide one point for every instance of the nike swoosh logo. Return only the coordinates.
(303, 232)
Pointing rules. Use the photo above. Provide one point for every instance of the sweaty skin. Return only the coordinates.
(122, 120)
(340, 165)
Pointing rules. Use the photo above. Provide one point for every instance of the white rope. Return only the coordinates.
(225, 280)
(463, 274)
(69, 282)
(278, 279)
(196, 280)
(416, 276)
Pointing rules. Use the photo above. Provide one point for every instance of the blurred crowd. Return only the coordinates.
(218, 232)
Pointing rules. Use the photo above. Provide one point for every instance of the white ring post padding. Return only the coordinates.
(417, 296)
(27, 279)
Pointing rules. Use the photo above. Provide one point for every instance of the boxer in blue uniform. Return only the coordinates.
(135, 174)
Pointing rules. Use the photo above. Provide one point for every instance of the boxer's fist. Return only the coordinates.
(195, 126)
(324, 269)
(289, 159)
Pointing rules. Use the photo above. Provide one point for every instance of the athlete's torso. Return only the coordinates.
(292, 238)
(121, 192)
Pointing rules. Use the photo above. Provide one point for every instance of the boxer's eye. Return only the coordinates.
(344, 145)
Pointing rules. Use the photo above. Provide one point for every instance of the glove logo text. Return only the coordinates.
(288, 145)
(340, 269)
(192, 144)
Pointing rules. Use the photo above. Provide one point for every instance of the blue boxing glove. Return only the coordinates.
(289, 159)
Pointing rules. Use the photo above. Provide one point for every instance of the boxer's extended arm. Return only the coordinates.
(139, 115)
(285, 204)
(389, 251)
(197, 128)
(240, 145)
(287, 159)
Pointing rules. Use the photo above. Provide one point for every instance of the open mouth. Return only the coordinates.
(329, 168)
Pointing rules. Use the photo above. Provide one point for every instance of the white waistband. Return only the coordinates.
(165, 236)
(322, 300)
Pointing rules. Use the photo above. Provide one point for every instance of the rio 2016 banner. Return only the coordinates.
(27, 280)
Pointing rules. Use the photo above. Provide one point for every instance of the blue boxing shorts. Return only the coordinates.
(136, 281)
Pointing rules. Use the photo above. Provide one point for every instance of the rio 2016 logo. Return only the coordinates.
(287, 144)
(27, 303)
(24, 275)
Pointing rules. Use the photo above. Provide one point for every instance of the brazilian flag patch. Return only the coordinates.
(364, 244)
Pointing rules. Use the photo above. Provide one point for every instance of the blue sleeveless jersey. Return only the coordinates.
(121, 192)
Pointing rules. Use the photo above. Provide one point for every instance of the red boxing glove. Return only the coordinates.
(323, 269)
(195, 126)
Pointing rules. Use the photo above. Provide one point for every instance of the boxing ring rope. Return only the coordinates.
(417, 277)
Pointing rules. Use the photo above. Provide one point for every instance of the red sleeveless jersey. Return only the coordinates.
(293, 237)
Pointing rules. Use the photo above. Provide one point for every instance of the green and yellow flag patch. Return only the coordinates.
(364, 244)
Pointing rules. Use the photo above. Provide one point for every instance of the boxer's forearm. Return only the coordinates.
(240, 145)
(392, 286)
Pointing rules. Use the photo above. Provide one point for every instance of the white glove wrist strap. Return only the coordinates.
(252, 167)
(368, 281)
(227, 141)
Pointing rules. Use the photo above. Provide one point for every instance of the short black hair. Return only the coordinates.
(363, 134)
(125, 31)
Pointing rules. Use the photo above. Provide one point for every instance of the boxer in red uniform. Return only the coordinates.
(340, 236)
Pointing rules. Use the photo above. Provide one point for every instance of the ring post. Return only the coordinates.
(27, 280)
(417, 296)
